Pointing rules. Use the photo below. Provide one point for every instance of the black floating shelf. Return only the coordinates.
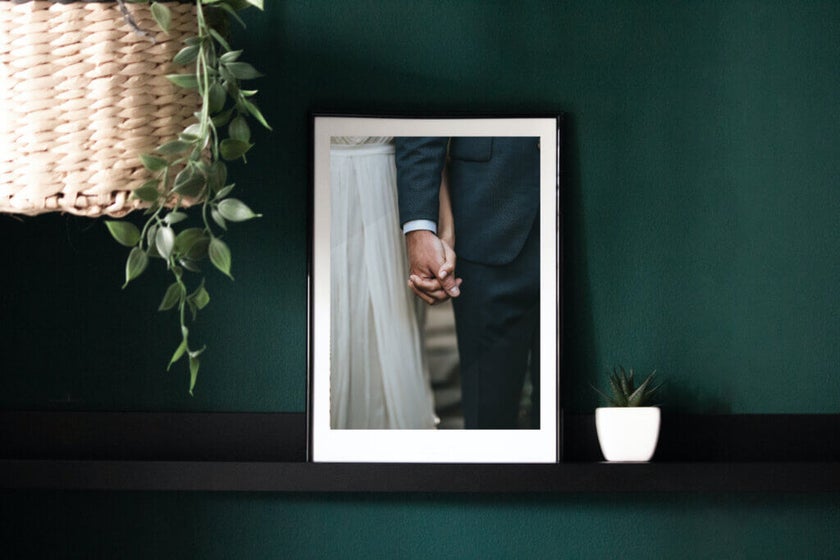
(267, 452)
(804, 477)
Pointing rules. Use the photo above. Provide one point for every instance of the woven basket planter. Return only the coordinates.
(82, 95)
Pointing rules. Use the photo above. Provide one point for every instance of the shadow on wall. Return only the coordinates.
(579, 348)
(694, 397)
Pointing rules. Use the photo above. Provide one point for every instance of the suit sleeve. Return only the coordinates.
(420, 162)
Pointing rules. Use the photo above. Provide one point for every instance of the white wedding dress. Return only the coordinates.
(377, 376)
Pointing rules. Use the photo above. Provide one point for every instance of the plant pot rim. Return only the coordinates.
(626, 407)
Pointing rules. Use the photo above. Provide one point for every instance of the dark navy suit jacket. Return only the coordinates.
(494, 187)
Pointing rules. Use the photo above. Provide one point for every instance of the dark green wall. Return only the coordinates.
(701, 239)
(256, 526)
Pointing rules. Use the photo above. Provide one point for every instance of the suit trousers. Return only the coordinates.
(497, 322)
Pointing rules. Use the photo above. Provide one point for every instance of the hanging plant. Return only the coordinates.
(189, 173)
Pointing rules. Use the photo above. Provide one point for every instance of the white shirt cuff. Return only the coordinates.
(414, 225)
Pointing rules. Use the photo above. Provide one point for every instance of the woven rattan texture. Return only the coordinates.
(81, 96)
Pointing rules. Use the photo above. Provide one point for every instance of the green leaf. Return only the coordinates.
(229, 80)
(219, 39)
(175, 217)
(608, 400)
(174, 147)
(220, 256)
(217, 176)
(192, 133)
(150, 240)
(184, 176)
(186, 81)
(233, 149)
(203, 167)
(194, 365)
(243, 70)
(199, 249)
(200, 297)
(178, 353)
(625, 381)
(222, 119)
(625, 393)
(147, 192)
(197, 301)
(239, 130)
(235, 4)
(231, 11)
(153, 163)
(165, 241)
(618, 394)
(189, 183)
(185, 240)
(135, 265)
(220, 221)
(641, 396)
(125, 233)
(189, 265)
(173, 295)
(230, 56)
(235, 210)
(162, 16)
(187, 55)
(239, 4)
(225, 191)
(255, 112)
(218, 96)
(193, 189)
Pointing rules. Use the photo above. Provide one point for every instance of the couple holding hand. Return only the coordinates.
(493, 187)
(488, 197)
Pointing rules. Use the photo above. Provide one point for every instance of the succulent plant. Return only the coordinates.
(625, 393)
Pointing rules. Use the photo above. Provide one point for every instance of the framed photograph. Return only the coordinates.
(434, 289)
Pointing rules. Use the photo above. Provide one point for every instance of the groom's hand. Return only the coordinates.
(431, 267)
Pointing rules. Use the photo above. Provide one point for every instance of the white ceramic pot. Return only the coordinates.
(628, 434)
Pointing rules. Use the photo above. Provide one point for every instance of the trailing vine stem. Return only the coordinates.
(129, 19)
(190, 171)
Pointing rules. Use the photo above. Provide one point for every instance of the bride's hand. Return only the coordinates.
(446, 274)
(431, 267)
